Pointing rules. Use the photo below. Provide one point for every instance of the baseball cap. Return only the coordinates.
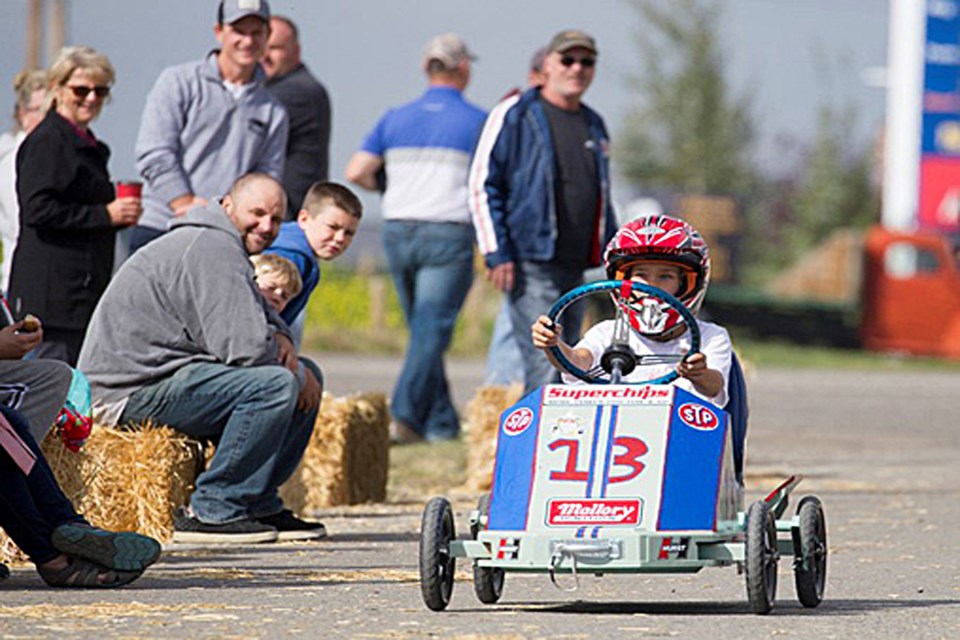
(449, 49)
(232, 10)
(571, 38)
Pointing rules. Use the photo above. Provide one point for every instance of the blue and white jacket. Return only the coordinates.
(512, 196)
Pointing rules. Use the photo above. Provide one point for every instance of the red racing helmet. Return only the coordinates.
(668, 240)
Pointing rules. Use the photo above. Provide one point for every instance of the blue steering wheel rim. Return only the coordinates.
(609, 285)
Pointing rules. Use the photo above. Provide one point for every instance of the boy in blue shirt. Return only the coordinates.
(323, 230)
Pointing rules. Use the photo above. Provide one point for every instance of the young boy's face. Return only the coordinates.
(274, 290)
(662, 276)
(329, 232)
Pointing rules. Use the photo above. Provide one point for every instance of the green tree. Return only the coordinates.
(687, 132)
(834, 188)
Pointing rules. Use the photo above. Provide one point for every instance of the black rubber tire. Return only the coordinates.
(437, 568)
(761, 557)
(487, 581)
(810, 569)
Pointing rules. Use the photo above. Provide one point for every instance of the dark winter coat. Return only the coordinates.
(64, 257)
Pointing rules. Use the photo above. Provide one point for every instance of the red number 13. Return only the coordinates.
(634, 448)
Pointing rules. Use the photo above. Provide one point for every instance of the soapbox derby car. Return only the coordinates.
(624, 478)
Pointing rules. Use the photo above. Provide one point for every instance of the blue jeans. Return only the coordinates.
(251, 412)
(537, 286)
(504, 362)
(432, 268)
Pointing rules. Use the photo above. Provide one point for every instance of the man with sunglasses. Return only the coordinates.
(208, 122)
(540, 193)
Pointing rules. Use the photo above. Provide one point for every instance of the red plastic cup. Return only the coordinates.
(129, 189)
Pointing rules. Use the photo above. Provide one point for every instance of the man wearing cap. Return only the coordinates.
(540, 194)
(208, 122)
(425, 147)
(308, 106)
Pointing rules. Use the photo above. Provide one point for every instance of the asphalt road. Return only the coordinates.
(879, 448)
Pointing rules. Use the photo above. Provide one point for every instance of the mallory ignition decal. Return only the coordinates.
(581, 513)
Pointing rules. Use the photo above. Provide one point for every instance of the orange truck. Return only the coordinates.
(911, 296)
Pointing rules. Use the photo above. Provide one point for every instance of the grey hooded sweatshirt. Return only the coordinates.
(187, 297)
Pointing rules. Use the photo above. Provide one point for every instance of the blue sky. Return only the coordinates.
(789, 56)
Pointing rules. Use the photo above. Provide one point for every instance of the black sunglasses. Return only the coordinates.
(586, 63)
(82, 91)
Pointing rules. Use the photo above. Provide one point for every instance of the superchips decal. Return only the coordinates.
(609, 394)
(518, 421)
(698, 416)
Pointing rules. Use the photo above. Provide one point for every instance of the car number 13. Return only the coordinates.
(626, 463)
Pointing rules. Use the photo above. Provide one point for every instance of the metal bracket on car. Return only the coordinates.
(587, 551)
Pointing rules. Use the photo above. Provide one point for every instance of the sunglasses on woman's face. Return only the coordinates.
(82, 91)
(585, 62)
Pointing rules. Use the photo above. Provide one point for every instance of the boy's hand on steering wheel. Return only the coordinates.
(693, 366)
(545, 333)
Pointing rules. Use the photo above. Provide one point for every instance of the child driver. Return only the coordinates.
(669, 254)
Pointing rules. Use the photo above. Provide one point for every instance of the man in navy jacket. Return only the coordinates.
(540, 193)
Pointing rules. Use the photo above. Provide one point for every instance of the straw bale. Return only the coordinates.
(347, 458)
(481, 426)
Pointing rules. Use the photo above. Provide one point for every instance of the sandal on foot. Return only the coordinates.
(124, 551)
(81, 574)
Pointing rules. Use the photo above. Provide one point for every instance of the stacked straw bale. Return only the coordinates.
(347, 459)
(482, 425)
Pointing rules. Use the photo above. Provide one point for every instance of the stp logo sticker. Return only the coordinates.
(698, 417)
(518, 421)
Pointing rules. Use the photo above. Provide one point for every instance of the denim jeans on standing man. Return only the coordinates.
(432, 268)
(504, 362)
(251, 412)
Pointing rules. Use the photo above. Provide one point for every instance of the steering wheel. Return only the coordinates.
(602, 375)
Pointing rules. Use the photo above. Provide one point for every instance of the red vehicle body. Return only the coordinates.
(911, 293)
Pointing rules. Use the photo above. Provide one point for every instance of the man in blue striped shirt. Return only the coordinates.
(425, 148)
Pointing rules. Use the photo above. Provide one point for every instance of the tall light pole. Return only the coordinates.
(901, 162)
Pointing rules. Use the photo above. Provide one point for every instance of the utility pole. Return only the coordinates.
(34, 20)
(54, 34)
(57, 29)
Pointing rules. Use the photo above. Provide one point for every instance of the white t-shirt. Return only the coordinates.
(714, 344)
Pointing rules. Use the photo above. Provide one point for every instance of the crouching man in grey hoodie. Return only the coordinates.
(183, 337)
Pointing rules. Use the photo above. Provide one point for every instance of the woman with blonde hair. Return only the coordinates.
(30, 88)
(69, 212)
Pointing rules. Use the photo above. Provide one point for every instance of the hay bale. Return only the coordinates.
(347, 458)
(124, 479)
(481, 426)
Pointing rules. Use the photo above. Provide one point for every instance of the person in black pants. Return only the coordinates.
(66, 549)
